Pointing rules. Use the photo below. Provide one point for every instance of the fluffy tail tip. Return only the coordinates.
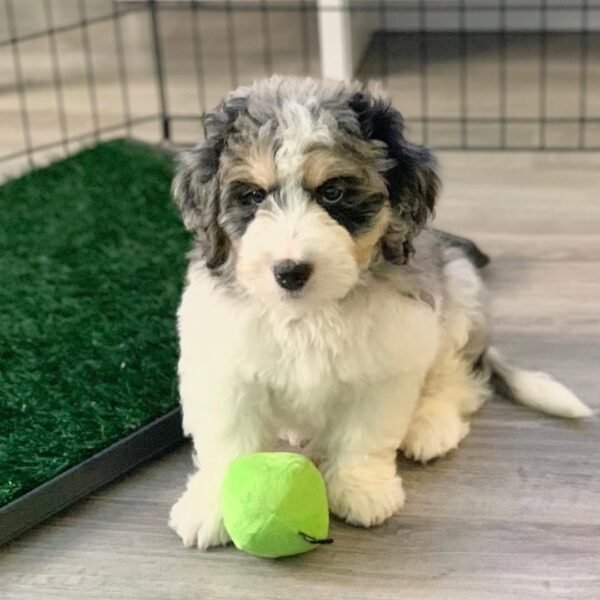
(540, 391)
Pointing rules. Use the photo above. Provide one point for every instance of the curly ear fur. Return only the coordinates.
(195, 187)
(412, 181)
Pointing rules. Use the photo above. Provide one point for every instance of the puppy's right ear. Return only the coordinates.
(196, 184)
(196, 192)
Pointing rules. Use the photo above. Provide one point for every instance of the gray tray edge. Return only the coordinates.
(37, 505)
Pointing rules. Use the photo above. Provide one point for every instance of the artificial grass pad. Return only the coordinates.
(92, 256)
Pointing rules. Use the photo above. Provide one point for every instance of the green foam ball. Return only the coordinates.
(275, 504)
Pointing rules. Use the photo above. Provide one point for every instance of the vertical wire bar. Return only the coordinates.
(304, 34)
(502, 86)
(198, 58)
(463, 76)
(231, 45)
(19, 81)
(89, 68)
(543, 74)
(56, 76)
(266, 35)
(583, 73)
(123, 75)
(159, 71)
(383, 47)
(423, 70)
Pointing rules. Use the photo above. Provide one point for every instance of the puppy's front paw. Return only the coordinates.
(363, 501)
(197, 524)
(431, 435)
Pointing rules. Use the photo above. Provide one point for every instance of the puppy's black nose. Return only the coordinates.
(292, 275)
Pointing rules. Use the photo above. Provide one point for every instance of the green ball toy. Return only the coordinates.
(275, 504)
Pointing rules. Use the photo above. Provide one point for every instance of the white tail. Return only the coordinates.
(537, 389)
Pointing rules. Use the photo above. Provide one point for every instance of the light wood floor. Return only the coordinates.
(514, 514)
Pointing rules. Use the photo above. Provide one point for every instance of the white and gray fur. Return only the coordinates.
(384, 345)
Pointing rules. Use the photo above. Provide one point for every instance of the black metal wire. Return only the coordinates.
(89, 68)
(266, 37)
(463, 74)
(580, 117)
(56, 75)
(232, 47)
(159, 71)
(384, 67)
(365, 6)
(28, 37)
(198, 59)
(543, 90)
(423, 70)
(502, 74)
(80, 138)
(304, 35)
(526, 148)
(583, 73)
(19, 81)
(519, 120)
(123, 74)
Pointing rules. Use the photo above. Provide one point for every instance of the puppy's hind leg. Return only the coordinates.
(453, 388)
(451, 393)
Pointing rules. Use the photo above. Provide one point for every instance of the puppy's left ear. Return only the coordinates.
(411, 178)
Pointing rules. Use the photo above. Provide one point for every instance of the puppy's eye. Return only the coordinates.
(255, 195)
(331, 192)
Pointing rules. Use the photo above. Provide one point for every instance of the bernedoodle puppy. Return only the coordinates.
(318, 301)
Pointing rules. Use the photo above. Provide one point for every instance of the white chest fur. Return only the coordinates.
(372, 335)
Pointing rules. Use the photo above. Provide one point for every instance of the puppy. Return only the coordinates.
(318, 301)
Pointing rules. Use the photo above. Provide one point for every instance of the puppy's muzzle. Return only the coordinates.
(292, 275)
